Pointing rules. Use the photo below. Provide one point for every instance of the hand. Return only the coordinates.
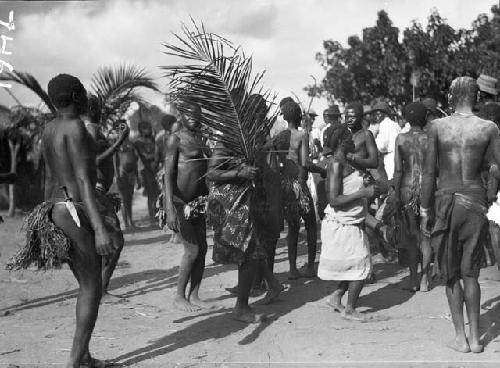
(372, 191)
(103, 244)
(424, 224)
(173, 220)
(139, 184)
(248, 172)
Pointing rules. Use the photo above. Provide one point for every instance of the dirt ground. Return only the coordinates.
(37, 312)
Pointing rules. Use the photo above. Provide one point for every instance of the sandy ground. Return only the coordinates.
(37, 317)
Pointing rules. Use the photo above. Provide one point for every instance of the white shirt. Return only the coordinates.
(386, 142)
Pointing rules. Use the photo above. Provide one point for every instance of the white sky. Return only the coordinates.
(283, 36)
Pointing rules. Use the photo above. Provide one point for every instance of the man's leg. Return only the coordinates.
(413, 258)
(312, 239)
(472, 296)
(425, 246)
(109, 265)
(198, 267)
(335, 300)
(495, 241)
(185, 269)
(246, 274)
(292, 239)
(350, 312)
(86, 266)
(455, 296)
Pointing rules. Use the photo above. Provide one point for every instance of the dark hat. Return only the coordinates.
(382, 106)
(415, 113)
(356, 106)
(430, 104)
(333, 110)
(312, 112)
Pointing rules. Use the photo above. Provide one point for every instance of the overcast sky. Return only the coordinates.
(282, 35)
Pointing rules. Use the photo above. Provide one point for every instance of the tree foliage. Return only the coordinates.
(384, 63)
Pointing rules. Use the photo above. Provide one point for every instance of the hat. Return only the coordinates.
(382, 106)
(312, 112)
(487, 84)
(430, 104)
(333, 110)
(415, 113)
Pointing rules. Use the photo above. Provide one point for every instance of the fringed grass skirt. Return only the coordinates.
(46, 245)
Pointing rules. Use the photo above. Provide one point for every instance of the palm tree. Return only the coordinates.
(114, 86)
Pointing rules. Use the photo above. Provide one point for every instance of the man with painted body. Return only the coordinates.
(456, 152)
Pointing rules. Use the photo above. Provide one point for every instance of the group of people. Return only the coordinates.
(418, 186)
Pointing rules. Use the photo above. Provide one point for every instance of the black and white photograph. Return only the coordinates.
(250, 183)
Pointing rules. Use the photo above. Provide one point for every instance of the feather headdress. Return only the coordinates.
(217, 77)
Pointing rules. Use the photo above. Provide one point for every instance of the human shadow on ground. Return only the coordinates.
(155, 280)
(391, 294)
(490, 320)
(147, 241)
(218, 325)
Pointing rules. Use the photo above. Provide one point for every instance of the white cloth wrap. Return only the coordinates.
(345, 250)
(494, 212)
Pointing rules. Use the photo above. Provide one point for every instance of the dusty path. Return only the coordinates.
(37, 317)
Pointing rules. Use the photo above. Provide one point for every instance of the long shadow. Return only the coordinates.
(147, 241)
(219, 326)
(490, 321)
(156, 280)
(386, 297)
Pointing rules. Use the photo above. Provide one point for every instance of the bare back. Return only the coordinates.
(411, 148)
(461, 142)
(60, 140)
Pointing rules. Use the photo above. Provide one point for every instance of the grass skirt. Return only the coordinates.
(46, 245)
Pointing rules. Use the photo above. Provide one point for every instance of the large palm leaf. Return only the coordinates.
(213, 70)
(29, 81)
(115, 88)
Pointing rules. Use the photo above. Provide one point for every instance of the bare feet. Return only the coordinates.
(353, 316)
(309, 273)
(336, 305)
(424, 284)
(203, 304)
(247, 316)
(112, 299)
(94, 363)
(255, 292)
(184, 305)
(271, 295)
(476, 348)
(459, 346)
(294, 275)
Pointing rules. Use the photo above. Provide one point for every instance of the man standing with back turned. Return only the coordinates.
(456, 152)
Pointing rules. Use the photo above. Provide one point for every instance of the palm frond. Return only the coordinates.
(115, 88)
(29, 81)
(217, 76)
